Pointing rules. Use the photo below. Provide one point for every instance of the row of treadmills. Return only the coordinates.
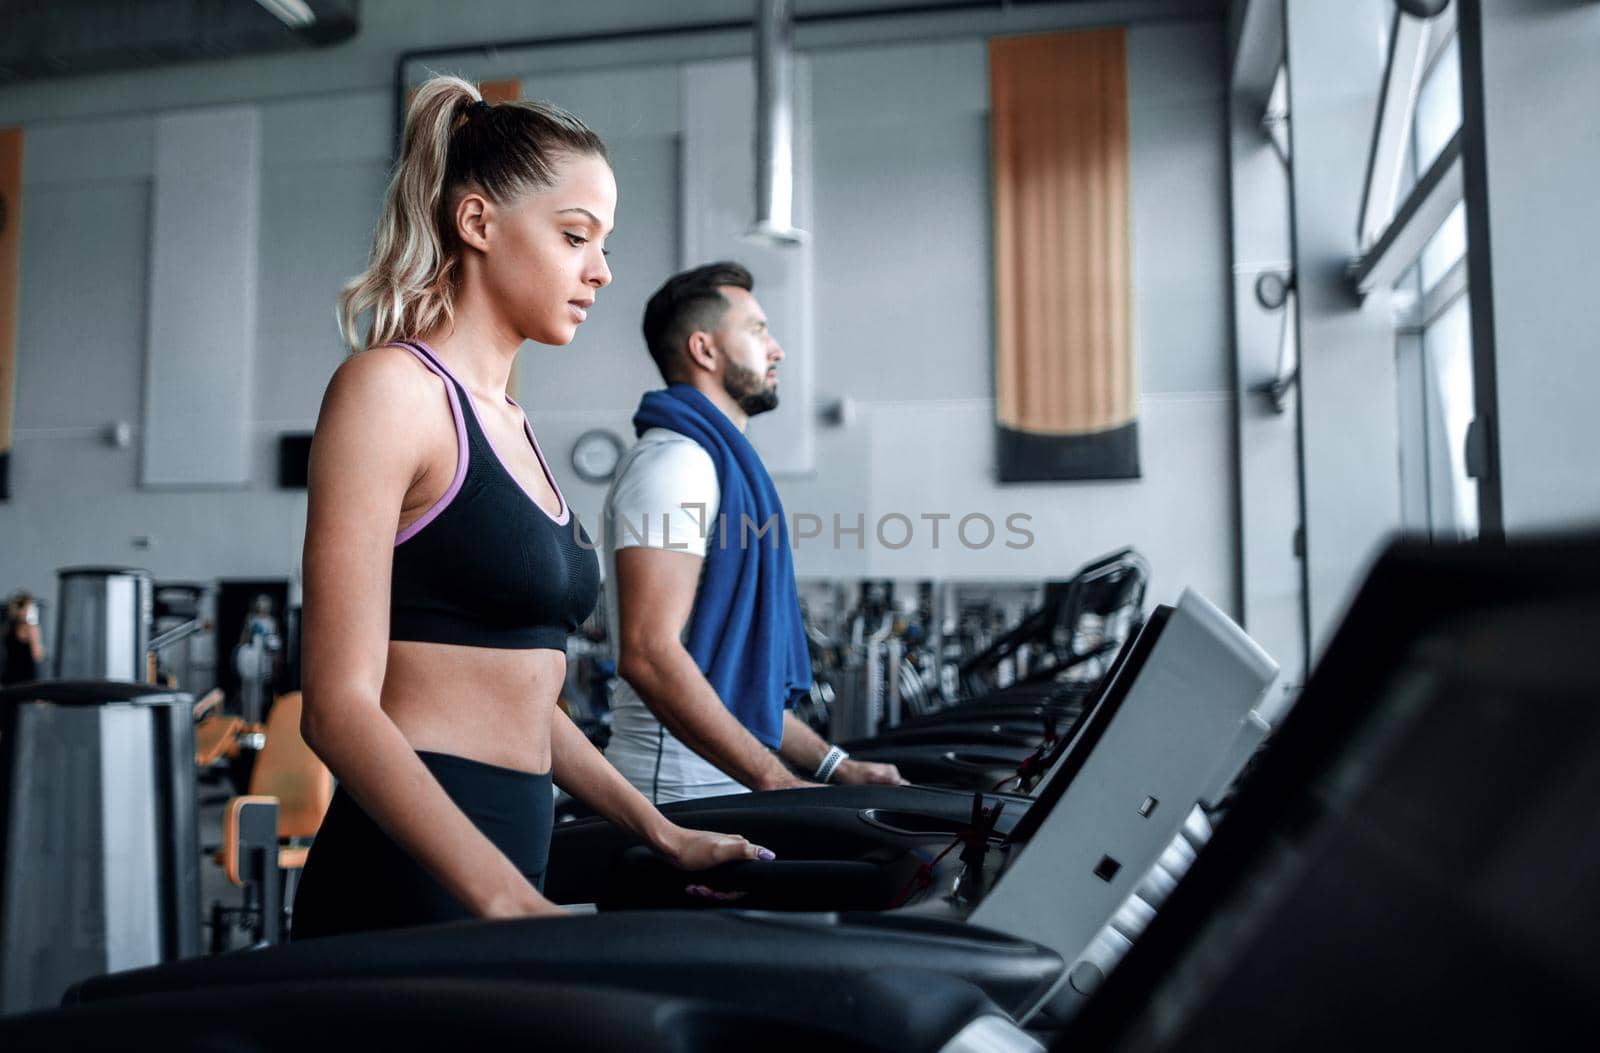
(1411, 859)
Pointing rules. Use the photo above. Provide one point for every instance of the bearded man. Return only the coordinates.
(702, 605)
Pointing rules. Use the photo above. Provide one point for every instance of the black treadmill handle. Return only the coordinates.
(749, 872)
(973, 761)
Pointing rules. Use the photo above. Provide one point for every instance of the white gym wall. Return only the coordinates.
(902, 300)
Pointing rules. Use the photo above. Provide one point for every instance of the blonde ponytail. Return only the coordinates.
(449, 147)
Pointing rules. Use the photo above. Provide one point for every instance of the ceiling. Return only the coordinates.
(59, 38)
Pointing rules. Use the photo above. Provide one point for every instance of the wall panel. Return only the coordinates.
(200, 351)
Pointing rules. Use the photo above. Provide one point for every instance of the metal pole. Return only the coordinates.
(775, 123)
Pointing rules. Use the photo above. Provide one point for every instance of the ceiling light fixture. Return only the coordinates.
(296, 14)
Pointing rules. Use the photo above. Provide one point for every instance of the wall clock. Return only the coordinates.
(596, 454)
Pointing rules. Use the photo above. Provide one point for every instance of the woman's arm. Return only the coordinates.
(582, 771)
(366, 454)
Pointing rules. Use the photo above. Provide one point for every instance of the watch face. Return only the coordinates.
(595, 455)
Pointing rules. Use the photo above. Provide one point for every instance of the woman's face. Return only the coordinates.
(545, 259)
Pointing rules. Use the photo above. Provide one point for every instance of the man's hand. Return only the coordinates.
(860, 773)
(700, 849)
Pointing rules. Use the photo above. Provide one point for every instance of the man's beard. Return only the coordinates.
(749, 389)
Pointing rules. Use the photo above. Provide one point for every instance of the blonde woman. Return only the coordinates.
(443, 569)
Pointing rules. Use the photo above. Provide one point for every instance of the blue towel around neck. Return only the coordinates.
(745, 631)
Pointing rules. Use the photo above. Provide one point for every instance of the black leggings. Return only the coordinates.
(356, 879)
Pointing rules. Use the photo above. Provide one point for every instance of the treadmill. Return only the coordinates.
(1109, 587)
(899, 1010)
(1174, 726)
(1413, 862)
(1021, 715)
(987, 754)
(1194, 676)
(1158, 737)
(818, 829)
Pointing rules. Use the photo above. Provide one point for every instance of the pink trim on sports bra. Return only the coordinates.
(527, 426)
(440, 505)
(566, 512)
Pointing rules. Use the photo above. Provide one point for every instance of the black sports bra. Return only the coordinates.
(486, 566)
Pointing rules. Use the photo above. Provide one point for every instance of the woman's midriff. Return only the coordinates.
(482, 703)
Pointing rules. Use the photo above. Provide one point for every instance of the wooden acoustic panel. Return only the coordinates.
(1066, 392)
(493, 91)
(10, 282)
(498, 91)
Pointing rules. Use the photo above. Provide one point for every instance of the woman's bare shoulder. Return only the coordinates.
(387, 383)
(388, 370)
(375, 437)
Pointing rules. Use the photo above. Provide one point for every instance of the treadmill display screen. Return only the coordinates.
(1078, 743)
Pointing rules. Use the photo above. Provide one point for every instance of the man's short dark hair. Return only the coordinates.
(690, 302)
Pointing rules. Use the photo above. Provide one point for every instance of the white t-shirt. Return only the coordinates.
(666, 496)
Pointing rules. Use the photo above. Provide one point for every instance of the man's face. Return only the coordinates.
(750, 376)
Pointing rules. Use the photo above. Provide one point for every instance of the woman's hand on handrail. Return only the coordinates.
(690, 849)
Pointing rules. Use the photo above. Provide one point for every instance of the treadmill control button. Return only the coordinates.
(1085, 977)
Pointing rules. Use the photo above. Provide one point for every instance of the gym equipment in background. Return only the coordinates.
(184, 634)
(889, 664)
(99, 860)
(1081, 620)
(266, 832)
(103, 619)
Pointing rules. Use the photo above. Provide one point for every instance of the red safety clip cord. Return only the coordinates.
(974, 837)
(1031, 765)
